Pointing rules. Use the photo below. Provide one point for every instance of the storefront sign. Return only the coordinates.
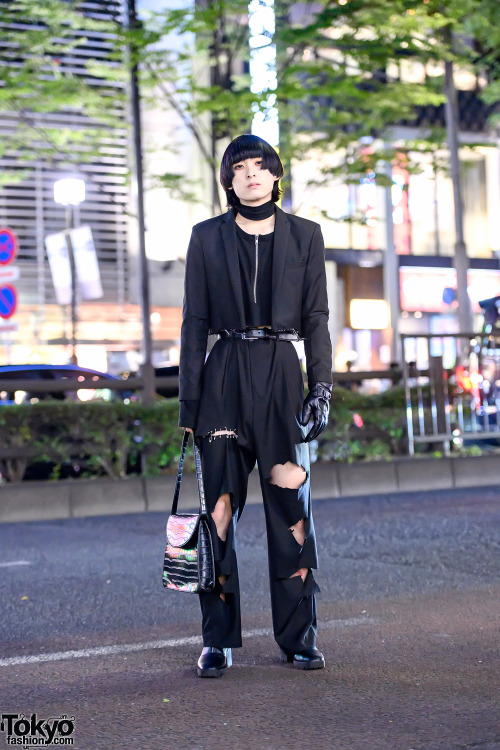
(431, 289)
(369, 314)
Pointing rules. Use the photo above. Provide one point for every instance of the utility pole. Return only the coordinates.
(461, 262)
(391, 269)
(148, 393)
(70, 223)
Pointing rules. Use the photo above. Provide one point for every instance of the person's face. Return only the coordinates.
(252, 184)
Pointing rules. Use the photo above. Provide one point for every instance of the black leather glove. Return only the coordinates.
(316, 408)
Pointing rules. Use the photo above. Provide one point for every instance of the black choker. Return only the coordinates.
(256, 213)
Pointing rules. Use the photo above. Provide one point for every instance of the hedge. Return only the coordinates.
(95, 439)
(363, 427)
(112, 439)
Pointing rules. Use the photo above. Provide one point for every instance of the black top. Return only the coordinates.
(255, 257)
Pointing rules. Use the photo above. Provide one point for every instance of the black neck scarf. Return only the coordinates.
(256, 213)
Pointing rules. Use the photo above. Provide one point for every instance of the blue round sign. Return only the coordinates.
(8, 246)
(8, 301)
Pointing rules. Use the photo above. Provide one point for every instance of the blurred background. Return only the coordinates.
(113, 119)
(369, 106)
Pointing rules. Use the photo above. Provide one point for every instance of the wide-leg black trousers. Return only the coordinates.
(255, 389)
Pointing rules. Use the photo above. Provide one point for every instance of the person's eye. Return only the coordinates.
(237, 166)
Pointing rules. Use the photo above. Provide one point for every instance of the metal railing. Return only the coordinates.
(60, 385)
(169, 384)
(452, 388)
(394, 374)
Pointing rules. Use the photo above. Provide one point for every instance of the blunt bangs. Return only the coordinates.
(249, 147)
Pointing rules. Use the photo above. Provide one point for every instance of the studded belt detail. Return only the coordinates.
(252, 334)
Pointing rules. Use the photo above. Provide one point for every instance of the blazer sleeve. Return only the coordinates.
(194, 330)
(317, 342)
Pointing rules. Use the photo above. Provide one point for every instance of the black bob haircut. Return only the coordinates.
(249, 147)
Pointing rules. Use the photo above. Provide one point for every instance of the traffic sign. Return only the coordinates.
(8, 327)
(8, 246)
(8, 301)
(10, 273)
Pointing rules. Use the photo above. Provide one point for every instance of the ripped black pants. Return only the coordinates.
(254, 389)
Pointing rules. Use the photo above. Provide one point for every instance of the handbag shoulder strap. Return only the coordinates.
(199, 475)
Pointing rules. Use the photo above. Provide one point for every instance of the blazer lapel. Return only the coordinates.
(229, 242)
(281, 237)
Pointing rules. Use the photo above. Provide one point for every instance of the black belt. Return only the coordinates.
(251, 334)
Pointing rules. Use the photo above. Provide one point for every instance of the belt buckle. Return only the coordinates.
(253, 334)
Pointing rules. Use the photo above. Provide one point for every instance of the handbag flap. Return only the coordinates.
(181, 528)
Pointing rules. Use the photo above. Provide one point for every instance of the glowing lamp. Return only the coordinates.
(69, 191)
(369, 314)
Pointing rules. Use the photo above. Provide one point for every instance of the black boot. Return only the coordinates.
(213, 661)
(308, 658)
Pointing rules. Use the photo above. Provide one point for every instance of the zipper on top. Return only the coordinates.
(256, 268)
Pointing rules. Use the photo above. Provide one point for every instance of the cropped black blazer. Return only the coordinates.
(213, 298)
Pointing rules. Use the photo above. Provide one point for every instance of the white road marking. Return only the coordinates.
(14, 562)
(150, 645)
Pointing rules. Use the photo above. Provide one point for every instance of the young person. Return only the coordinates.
(256, 277)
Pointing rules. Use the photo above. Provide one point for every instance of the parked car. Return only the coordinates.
(172, 372)
(56, 372)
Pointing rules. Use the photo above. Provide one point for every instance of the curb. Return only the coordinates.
(43, 501)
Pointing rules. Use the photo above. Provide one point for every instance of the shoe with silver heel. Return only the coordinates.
(213, 661)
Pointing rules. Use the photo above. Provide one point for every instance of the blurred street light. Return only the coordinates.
(69, 191)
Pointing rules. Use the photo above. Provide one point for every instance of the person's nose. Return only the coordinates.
(250, 171)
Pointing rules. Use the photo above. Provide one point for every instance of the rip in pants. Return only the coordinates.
(291, 476)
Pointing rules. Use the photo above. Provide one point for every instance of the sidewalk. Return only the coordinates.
(36, 501)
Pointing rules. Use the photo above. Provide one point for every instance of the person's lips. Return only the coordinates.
(254, 184)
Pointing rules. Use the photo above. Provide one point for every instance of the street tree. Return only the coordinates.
(344, 70)
(340, 80)
(47, 77)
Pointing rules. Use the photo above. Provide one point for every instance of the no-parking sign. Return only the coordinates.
(8, 301)
(8, 292)
(8, 246)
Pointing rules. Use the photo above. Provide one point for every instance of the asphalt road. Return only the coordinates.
(408, 623)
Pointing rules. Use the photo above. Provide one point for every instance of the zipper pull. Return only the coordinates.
(256, 268)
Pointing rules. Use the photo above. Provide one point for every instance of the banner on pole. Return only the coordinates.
(87, 268)
(60, 266)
